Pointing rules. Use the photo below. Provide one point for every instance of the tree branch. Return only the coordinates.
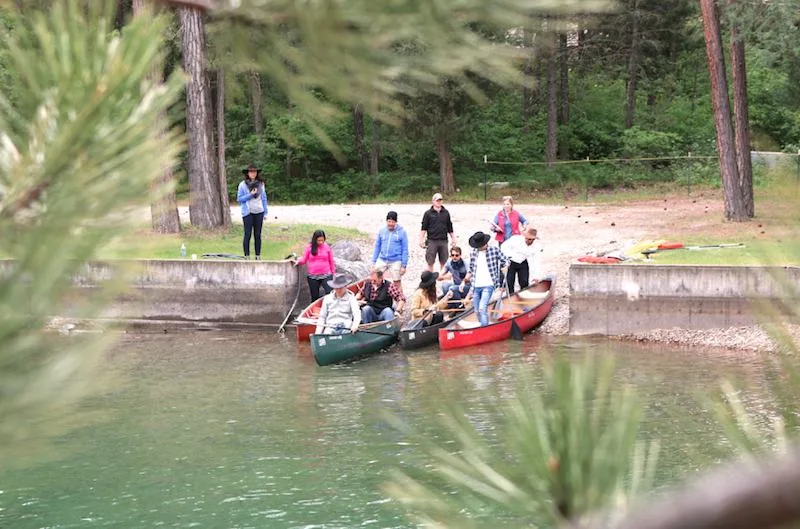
(762, 494)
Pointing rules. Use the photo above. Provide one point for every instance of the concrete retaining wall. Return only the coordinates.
(222, 292)
(623, 299)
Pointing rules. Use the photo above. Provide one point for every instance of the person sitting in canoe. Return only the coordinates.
(339, 313)
(454, 270)
(424, 303)
(485, 273)
(378, 296)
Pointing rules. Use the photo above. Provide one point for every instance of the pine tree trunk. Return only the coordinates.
(222, 174)
(204, 211)
(528, 80)
(358, 138)
(551, 144)
(164, 214)
(375, 154)
(254, 80)
(563, 107)
(446, 180)
(726, 150)
(633, 67)
(742, 120)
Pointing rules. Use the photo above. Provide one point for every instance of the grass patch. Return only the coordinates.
(753, 253)
(277, 242)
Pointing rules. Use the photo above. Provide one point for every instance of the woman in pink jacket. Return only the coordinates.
(318, 256)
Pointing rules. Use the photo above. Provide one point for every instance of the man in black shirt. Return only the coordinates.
(436, 226)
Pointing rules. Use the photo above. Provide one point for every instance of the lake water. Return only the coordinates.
(245, 431)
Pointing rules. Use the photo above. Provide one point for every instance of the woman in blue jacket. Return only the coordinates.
(253, 198)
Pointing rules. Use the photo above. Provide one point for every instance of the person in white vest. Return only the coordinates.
(524, 254)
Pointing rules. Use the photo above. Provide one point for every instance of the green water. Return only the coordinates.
(245, 431)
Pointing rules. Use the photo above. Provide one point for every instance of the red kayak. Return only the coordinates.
(306, 322)
(508, 317)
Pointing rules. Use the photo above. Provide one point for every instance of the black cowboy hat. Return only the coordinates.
(339, 281)
(479, 239)
(249, 168)
(427, 279)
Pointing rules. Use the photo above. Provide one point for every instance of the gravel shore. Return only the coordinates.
(566, 232)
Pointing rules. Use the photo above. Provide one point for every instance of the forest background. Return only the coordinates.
(629, 83)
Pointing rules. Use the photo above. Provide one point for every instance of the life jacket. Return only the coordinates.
(382, 300)
(501, 222)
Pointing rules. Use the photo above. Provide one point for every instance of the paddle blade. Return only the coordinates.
(516, 332)
(416, 324)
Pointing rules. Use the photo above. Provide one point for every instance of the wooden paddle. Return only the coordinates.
(419, 323)
(516, 332)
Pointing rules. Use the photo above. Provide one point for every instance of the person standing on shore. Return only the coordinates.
(508, 221)
(391, 250)
(318, 258)
(523, 254)
(253, 198)
(436, 226)
(485, 273)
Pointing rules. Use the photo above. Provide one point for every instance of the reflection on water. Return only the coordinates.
(244, 430)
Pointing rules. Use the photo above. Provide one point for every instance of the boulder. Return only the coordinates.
(355, 269)
(346, 250)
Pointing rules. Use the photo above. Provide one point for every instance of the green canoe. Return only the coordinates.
(370, 338)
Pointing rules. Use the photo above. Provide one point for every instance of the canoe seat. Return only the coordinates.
(527, 294)
(468, 324)
(507, 314)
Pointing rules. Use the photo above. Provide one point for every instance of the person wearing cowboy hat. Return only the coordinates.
(423, 301)
(339, 313)
(485, 273)
(253, 198)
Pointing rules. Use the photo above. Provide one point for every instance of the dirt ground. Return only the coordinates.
(566, 232)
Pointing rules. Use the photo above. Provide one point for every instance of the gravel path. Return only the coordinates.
(566, 232)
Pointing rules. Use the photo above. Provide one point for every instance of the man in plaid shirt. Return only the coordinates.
(485, 273)
(378, 296)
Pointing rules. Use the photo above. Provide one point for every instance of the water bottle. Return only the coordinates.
(183, 250)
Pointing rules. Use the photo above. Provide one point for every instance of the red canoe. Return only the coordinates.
(306, 322)
(526, 309)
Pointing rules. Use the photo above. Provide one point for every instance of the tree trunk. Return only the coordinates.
(528, 80)
(164, 214)
(742, 120)
(633, 67)
(222, 174)
(254, 80)
(123, 10)
(551, 145)
(563, 107)
(204, 211)
(447, 183)
(563, 58)
(375, 155)
(726, 150)
(358, 138)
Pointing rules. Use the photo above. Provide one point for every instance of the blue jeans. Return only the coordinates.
(457, 294)
(480, 300)
(369, 315)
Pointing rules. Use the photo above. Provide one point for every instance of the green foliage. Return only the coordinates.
(566, 449)
(78, 148)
